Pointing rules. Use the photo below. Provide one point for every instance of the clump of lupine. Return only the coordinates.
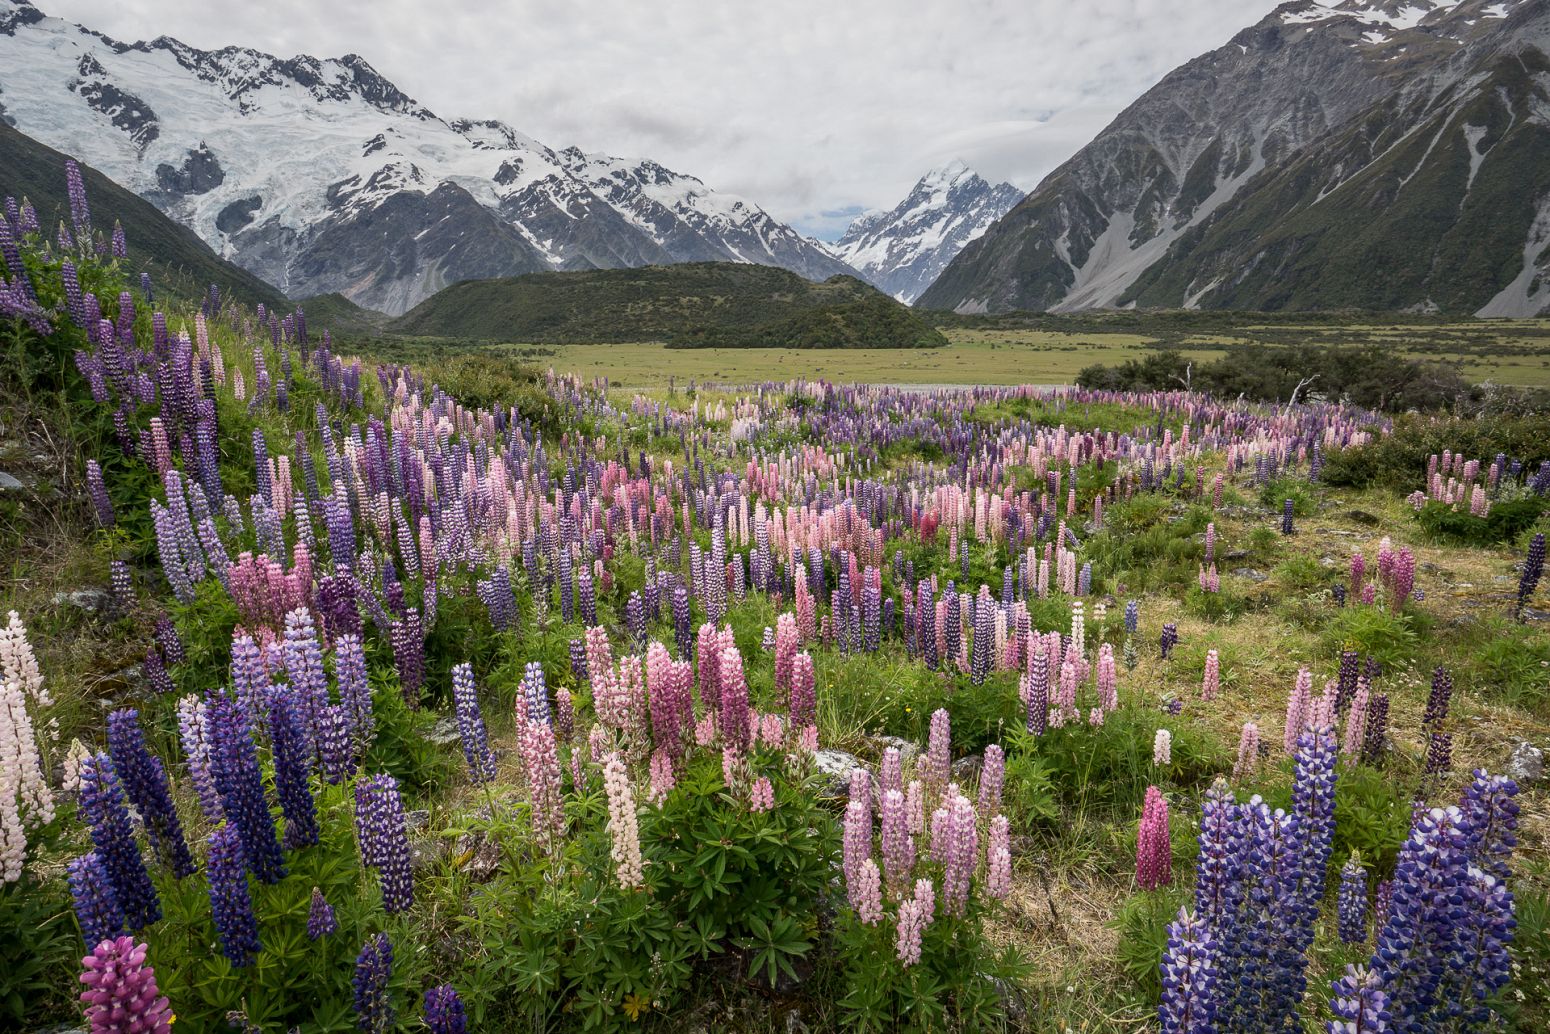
(121, 993)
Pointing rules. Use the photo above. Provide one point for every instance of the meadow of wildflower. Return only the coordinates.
(401, 701)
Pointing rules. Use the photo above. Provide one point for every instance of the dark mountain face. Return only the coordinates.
(1209, 189)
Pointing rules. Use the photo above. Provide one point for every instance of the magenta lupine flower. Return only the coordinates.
(866, 895)
(961, 853)
(1248, 752)
(761, 797)
(623, 824)
(668, 712)
(936, 765)
(804, 704)
(856, 845)
(121, 995)
(898, 846)
(1154, 848)
(733, 708)
(541, 762)
(1108, 678)
(785, 649)
(992, 775)
(911, 925)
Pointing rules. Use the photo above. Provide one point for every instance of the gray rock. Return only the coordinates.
(426, 854)
(444, 732)
(1363, 517)
(478, 856)
(835, 767)
(907, 749)
(11, 483)
(1251, 574)
(1237, 554)
(967, 768)
(92, 601)
(417, 819)
(1527, 764)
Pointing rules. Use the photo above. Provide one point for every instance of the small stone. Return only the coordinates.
(92, 601)
(417, 819)
(444, 732)
(1251, 574)
(835, 766)
(1527, 764)
(1363, 517)
(425, 854)
(11, 483)
(1237, 554)
(908, 750)
(967, 768)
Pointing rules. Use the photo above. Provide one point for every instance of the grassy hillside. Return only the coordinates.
(341, 316)
(693, 305)
(178, 261)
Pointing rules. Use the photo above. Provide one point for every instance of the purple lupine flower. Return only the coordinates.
(384, 840)
(194, 734)
(962, 853)
(373, 969)
(96, 904)
(354, 690)
(1169, 639)
(1286, 518)
(122, 580)
(1375, 730)
(1188, 978)
(470, 724)
(320, 917)
(107, 812)
(1132, 617)
(231, 906)
(155, 671)
(121, 993)
(682, 631)
(338, 605)
(80, 210)
(145, 783)
(309, 684)
(444, 1011)
(237, 776)
(98, 491)
(992, 774)
(336, 744)
(1038, 691)
(292, 758)
(984, 636)
(1359, 1004)
(1438, 701)
(898, 845)
(408, 637)
(1533, 569)
(170, 643)
(1352, 902)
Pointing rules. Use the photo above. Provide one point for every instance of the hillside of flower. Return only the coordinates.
(346, 695)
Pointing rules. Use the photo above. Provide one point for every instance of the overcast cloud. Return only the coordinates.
(814, 109)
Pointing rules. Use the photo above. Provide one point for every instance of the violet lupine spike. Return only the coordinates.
(1359, 1004)
(320, 917)
(384, 839)
(231, 906)
(444, 1013)
(1352, 902)
(1169, 639)
(145, 782)
(292, 766)
(237, 776)
(1533, 570)
(354, 689)
(470, 724)
(96, 903)
(1038, 693)
(373, 970)
(1188, 978)
(107, 812)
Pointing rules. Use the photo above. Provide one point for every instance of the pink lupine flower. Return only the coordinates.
(1162, 748)
(915, 808)
(856, 844)
(541, 763)
(804, 703)
(1108, 678)
(992, 775)
(1211, 682)
(867, 895)
(1356, 721)
(662, 779)
(898, 845)
(1248, 752)
(121, 993)
(1154, 850)
(785, 649)
(623, 824)
(962, 853)
(911, 927)
(761, 797)
(1299, 708)
(998, 859)
(890, 774)
(936, 766)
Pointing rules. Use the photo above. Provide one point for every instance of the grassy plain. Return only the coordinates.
(1507, 352)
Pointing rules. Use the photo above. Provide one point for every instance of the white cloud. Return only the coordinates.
(808, 107)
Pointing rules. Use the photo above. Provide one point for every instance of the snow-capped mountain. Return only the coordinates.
(902, 251)
(1371, 153)
(320, 175)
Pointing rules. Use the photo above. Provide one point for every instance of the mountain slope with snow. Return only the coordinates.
(1173, 204)
(903, 251)
(322, 176)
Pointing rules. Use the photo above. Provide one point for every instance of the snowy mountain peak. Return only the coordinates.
(902, 251)
(320, 174)
(1379, 21)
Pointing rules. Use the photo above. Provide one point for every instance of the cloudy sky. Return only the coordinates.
(814, 109)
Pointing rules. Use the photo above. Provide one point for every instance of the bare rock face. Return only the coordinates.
(1527, 764)
(1360, 153)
